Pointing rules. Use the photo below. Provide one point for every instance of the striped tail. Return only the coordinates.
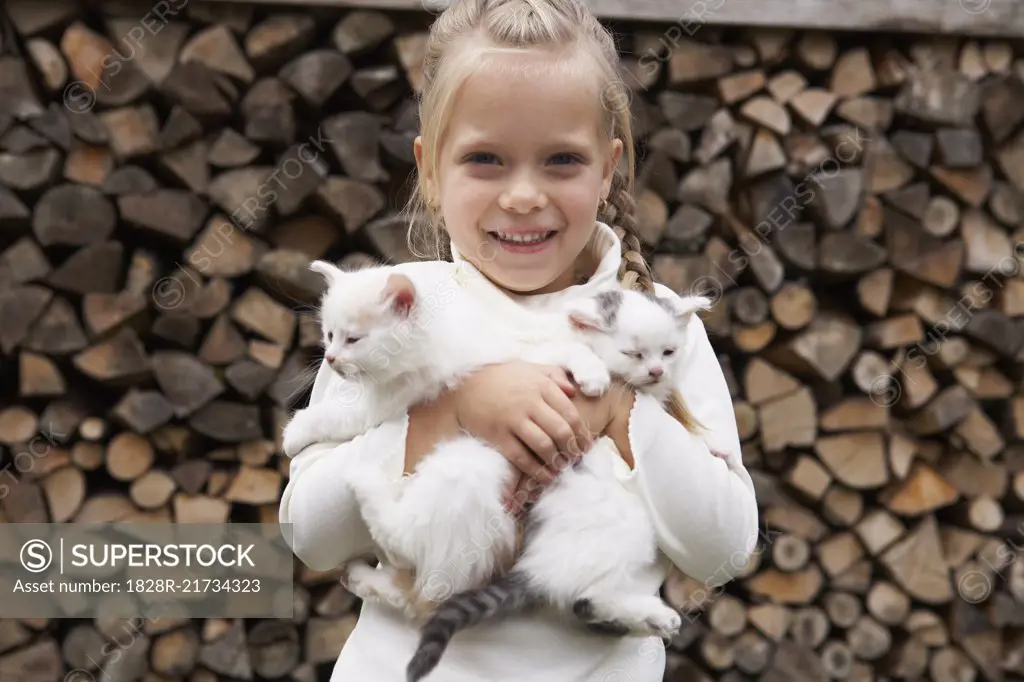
(506, 595)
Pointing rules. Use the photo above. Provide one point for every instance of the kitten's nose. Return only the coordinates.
(330, 359)
(656, 372)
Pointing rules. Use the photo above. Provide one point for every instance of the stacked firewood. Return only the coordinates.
(855, 205)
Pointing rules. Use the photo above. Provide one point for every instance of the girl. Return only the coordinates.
(519, 176)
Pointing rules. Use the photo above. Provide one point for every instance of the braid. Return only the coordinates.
(634, 272)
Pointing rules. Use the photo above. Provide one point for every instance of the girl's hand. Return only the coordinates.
(602, 416)
(524, 411)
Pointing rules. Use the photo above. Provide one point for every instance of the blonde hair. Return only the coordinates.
(467, 30)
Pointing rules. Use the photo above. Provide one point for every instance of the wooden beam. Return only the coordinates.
(963, 17)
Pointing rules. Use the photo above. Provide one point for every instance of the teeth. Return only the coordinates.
(526, 238)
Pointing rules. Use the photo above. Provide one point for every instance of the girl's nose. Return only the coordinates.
(523, 196)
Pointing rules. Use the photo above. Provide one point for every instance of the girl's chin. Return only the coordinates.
(527, 281)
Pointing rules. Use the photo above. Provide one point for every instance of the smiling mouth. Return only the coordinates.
(523, 237)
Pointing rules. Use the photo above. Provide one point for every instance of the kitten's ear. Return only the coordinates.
(584, 316)
(685, 307)
(330, 272)
(399, 294)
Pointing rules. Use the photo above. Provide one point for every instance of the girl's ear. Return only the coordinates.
(611, 166)
(421, 169)
(330, 272)
(417, 152)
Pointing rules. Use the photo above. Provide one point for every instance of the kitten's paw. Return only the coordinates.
(372, 584)
(593, 378)
(349, 578)
(666, 623)
(621, 616)
(360, 579)
(295, 437)
(415, 613)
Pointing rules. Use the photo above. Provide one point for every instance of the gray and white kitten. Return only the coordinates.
(589, 544)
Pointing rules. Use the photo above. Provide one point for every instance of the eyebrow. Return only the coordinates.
(478, 140)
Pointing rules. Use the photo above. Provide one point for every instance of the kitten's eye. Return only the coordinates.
(349, 340)
(669, 352)
(633, 355)
(330, 336)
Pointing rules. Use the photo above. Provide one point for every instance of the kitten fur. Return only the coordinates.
(589, 544)
(442, 530)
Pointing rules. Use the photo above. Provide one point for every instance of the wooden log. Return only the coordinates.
(793, 306)
(888, 604)
(868, 639)
(810, 627)
(916, 564)
(842, 506)
(843, 609)
(128, 456)
(838, 660)
(752, 653)
(790, 553)
(727, 616)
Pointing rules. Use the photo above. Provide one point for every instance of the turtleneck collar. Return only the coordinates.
(605, 246)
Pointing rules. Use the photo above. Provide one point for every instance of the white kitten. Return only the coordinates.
(404, 347)
(589, 544)
(442, 530)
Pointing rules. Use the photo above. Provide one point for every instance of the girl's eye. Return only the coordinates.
(668, 352)
(567, 157)
(481, 157)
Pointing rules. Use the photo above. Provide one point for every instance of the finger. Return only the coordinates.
(522, 495)
(539, 442)
(571, 416)
(514, 497)
(527, 494)
(559, 430)
(560, 377)
(530, 486)
(521, 454)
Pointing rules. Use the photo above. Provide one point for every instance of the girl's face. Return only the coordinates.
(521, 172)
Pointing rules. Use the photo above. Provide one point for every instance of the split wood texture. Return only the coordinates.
(855, 204)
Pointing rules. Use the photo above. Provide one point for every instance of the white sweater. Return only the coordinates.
(704, 510)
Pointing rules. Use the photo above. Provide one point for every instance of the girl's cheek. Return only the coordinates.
(581, 195)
